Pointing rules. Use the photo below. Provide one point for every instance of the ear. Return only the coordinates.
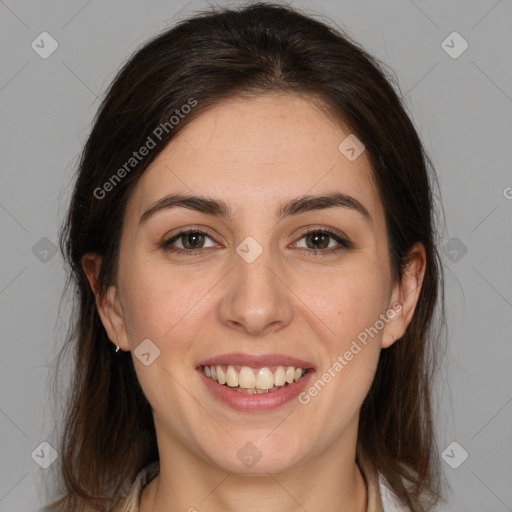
(404, 295)
(108, 305)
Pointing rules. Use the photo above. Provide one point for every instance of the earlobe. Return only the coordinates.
(107, 304)
(394, 328)
(111, 315)
(406, 293)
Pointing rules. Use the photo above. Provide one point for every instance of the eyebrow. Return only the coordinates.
(219, 208)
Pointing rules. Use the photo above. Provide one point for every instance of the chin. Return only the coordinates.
(259, 455)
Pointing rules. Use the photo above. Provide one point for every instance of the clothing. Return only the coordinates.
(380, 498)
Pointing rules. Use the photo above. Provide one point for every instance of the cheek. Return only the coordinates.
(349, 303)
(162, 303)
(350, 306)
(164, 307)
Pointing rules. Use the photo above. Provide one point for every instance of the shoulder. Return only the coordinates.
(389, 501)
(130, 503)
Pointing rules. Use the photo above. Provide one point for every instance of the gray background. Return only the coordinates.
(462, 108)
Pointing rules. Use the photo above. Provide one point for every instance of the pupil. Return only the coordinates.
(192, 239)
(319, 239)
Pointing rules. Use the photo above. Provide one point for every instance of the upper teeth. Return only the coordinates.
(253, 378)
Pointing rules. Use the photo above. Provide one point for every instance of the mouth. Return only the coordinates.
(253, 381)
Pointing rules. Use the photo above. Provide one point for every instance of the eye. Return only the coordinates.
(324, 241)
(192, 241)
(188, 241)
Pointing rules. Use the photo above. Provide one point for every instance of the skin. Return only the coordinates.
(255, 154)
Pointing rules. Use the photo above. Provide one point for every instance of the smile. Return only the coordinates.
(245, 379)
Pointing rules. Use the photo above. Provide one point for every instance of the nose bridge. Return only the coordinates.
(256, 298)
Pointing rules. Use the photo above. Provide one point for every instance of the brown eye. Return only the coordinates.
(321, 241)
(318, 240)
(191, 240)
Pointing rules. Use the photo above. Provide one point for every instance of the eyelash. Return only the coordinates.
(343, 242)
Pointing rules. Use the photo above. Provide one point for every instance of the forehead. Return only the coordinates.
(256, 152)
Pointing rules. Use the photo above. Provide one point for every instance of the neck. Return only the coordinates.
(330, 481)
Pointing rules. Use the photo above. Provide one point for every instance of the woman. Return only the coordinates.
(252, 240)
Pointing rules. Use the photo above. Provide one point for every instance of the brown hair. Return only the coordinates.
(108, 434)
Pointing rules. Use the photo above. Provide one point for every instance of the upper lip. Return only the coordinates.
(256, 361)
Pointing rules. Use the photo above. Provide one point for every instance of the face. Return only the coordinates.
(262, 283)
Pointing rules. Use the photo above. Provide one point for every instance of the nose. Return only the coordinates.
(257, 299)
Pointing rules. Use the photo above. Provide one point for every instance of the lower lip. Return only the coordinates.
(256, 402)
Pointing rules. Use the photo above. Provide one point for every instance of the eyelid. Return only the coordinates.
(184, 231)
(341, 239)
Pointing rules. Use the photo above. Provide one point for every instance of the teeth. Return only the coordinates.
(279, 376)
(254, 380)
(246, 378)
(221, 376)
(256, 391)
(265, 379)
(231, 377)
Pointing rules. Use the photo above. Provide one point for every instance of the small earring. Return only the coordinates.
(394, 337)
(117, 349)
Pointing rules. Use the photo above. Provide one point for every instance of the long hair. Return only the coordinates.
(108, 433)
